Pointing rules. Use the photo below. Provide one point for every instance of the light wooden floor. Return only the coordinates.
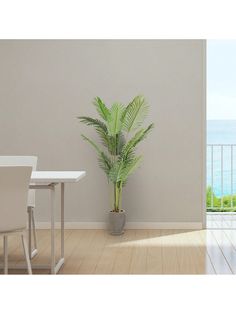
(211, 251)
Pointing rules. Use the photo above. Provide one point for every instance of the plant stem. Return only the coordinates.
(120, 196)
(114, 197)
(117, 198)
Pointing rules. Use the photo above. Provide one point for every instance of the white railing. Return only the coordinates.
(221, 173)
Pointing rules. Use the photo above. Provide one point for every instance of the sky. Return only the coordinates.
(221, 79)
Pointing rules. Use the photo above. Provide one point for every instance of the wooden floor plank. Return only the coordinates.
(74, 245)
(203, 261)
(106, 260)
(138, 263)
(154, 252)
(186, 252)
(170, 263)
(123, 253)
(193, 258)
(91, 251)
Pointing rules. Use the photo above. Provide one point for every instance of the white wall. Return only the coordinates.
(44, 85)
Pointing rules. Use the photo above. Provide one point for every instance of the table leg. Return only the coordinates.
(62, 218)
(52, 229)
(55, 267)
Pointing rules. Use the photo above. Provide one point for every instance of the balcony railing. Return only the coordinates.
(221, 175)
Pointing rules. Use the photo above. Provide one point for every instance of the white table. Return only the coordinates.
(48, 180)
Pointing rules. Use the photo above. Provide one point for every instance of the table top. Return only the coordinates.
(41, 177)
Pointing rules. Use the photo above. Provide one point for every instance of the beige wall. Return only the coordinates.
(44, 85)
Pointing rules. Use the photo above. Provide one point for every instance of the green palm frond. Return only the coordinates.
(120, 170)
(129, 168)
(135, 114)
(132, 143)
(120, 143)
(96, 123)
(104, 161)
(115, 172)
(115, 122)
(91, 142)
(116, 144)
(102, 109)
(100, 128)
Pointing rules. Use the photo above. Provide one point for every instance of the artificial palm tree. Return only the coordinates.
(120, 132)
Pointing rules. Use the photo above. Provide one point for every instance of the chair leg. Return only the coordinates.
(34, 230)
(31, 223)
(26, 252)
(5, 248)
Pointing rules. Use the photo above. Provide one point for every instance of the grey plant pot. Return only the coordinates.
(117, 222)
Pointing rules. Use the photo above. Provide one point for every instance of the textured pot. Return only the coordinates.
(117, 222)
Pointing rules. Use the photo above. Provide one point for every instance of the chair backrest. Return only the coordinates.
(14, 187)
(22, 161)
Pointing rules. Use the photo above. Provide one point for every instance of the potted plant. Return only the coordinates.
(119, 131)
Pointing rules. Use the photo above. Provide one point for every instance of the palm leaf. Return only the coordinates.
(128, 148)
(104, 161)
(97, 124)
(135, 114)
(120, 143)
(92, 143)
(116, 144)
(120, 170)
(102, 110)
(115, 171)
(100, 127)
(115, 122)
(129, 168)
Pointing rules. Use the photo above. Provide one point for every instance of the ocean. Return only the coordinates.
(221, 132)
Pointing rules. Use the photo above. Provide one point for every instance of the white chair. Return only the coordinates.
(26, 161)
(14, 187)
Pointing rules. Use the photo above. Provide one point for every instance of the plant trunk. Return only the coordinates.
(120, 197)
(117, 196)
(114, 197)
